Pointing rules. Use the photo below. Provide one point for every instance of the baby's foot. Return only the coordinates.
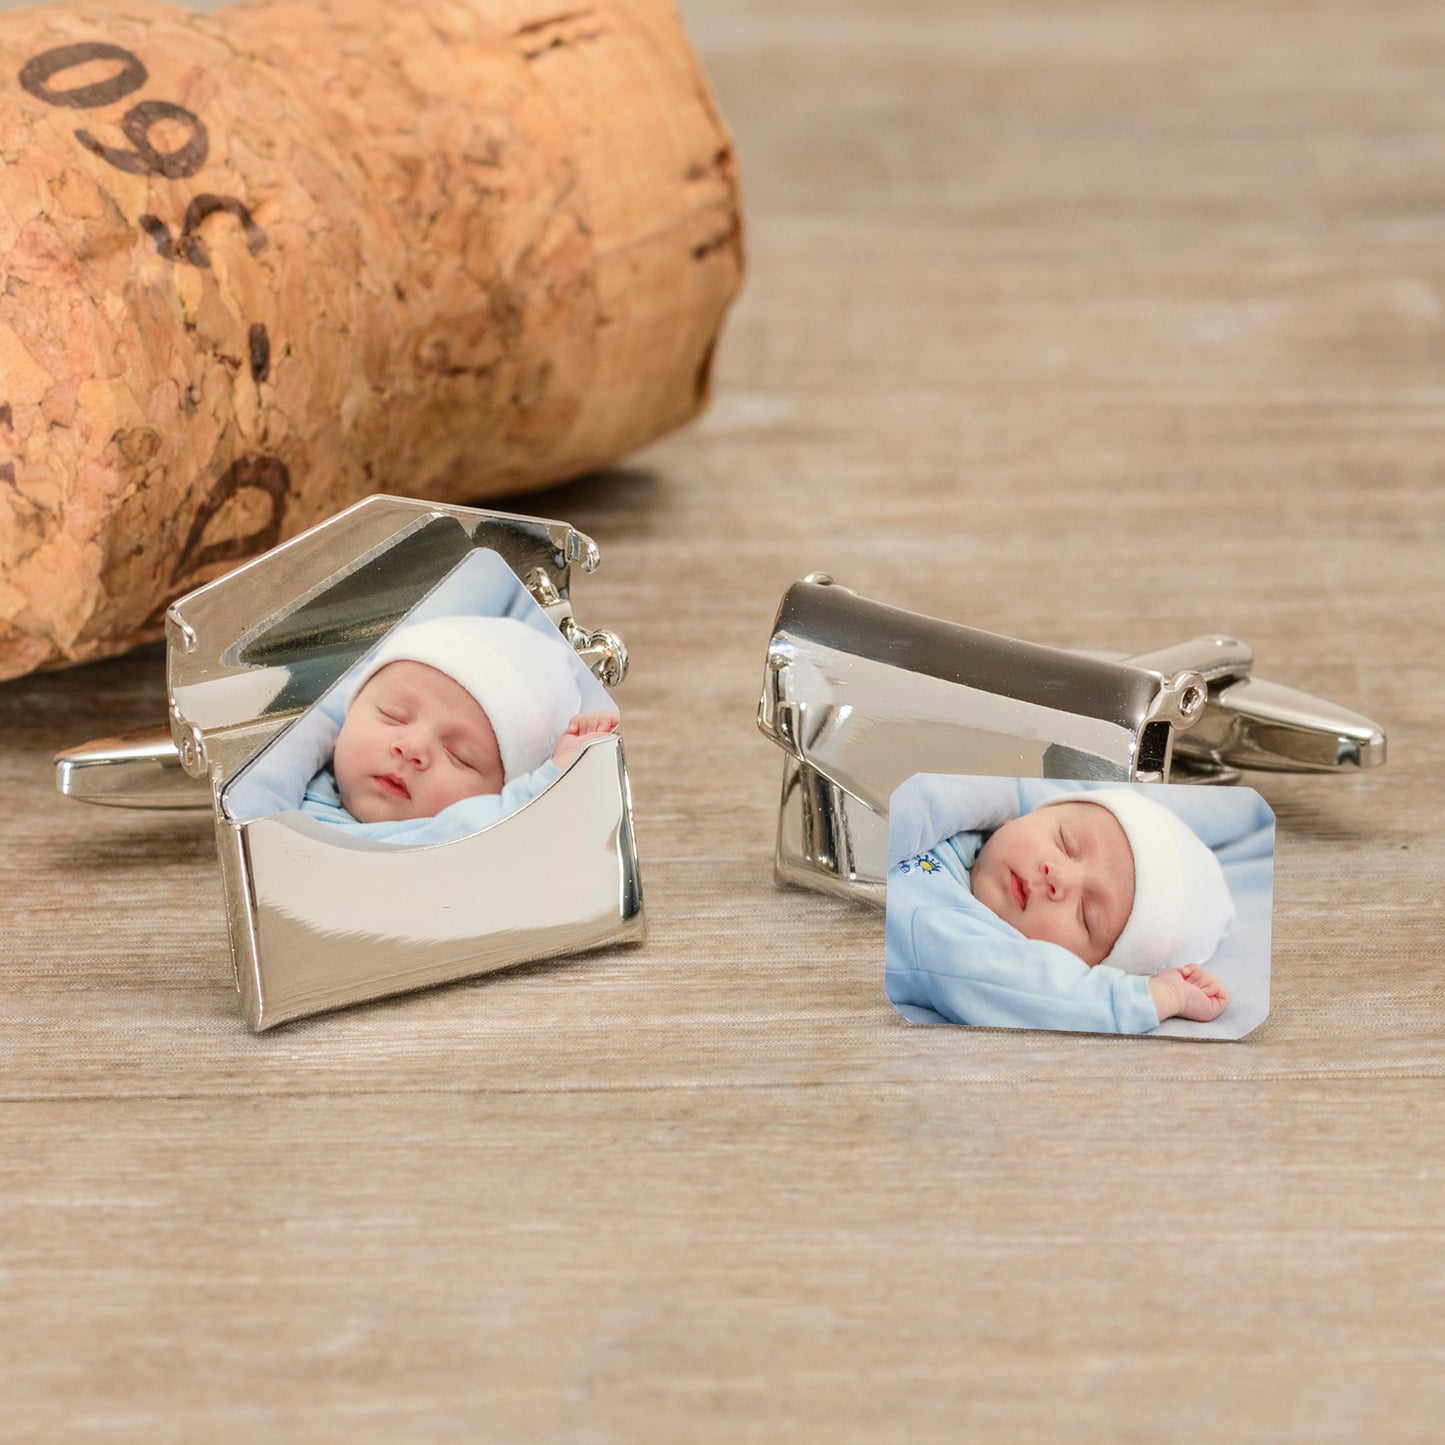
(580, 731)
(1190, 992)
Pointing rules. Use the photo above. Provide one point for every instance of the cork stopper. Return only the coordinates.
(261, 264)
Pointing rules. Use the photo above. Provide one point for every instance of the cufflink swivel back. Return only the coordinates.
(320, 919)
(861, 696)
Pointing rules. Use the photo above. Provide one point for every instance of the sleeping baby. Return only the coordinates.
(450, 726)
(1094, 911)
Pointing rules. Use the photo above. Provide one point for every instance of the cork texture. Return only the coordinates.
(260, 264)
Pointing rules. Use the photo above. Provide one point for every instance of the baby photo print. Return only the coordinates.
(1135, 908)
(465, 711)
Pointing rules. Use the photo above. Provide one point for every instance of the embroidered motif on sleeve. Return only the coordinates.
(920, 863)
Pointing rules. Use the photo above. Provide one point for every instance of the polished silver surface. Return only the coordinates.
(861, 696)
(334, 919)
(139, 769)
(320, 919)
(1252, 723)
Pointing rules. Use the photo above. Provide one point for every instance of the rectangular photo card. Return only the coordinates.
(1097, 907)
(465, 711)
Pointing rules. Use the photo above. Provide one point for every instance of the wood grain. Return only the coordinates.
(1094, 325)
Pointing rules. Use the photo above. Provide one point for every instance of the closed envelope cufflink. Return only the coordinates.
(861, 696)
(257, 666)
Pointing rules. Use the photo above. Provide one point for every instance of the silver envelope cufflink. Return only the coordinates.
(861, 696)
(320, 919)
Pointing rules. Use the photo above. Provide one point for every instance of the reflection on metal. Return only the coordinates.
(861, 696)
(140, 769)
(334, 920)
(320, 919)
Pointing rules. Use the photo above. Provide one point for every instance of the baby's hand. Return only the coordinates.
(580, 731)
(1190, 992)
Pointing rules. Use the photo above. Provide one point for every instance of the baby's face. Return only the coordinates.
(1063, 874)
(414, 742)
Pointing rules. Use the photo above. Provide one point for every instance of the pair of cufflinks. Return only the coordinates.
(858, 695)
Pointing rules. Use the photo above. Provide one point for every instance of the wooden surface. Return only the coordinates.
(1094, 324)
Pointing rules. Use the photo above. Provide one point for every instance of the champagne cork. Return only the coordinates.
(261, 264)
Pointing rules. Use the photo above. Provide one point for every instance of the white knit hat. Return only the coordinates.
(524, 680)
(1182, 906)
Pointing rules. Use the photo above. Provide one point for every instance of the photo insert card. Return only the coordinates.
(1098, 907)
(464, 712)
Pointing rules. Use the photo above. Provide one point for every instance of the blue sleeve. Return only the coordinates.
(460, 820)
(966, 966)
(930, 807)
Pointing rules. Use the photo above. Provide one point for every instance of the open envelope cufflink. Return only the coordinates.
(861, 696)
(255, 662)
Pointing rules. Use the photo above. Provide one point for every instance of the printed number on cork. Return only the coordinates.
(37, 77)
(143, 158)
